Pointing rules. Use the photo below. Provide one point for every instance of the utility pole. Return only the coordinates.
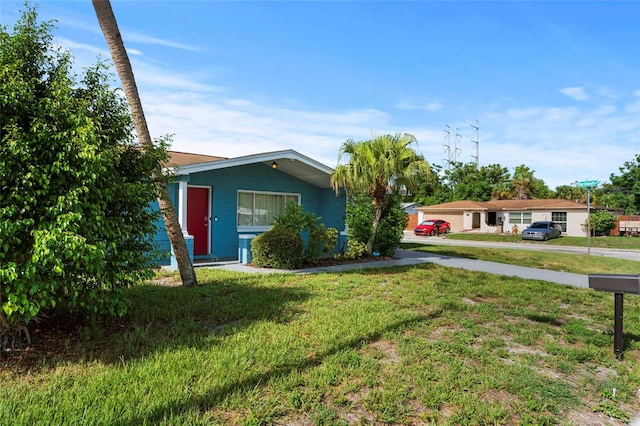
(588, 184)
(476, 143)
(447, 146)
(456, 150)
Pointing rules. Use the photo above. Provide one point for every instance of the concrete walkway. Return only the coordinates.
(408, 257)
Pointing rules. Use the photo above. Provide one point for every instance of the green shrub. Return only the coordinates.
(321, 240)
(75, 224)
(391, 227)
(278, 248)
(355, 250)
(360, 211)
(602, 222)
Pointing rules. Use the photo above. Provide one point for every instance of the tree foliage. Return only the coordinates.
(601, 222)
(376, 167)
(624, 190)
(360, 213)
(468, 182)
(75, 187)
(523, 185)
(460, 181)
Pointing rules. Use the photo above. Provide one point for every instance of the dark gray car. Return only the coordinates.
(542, 231)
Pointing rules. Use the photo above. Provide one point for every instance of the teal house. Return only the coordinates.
(222, 203)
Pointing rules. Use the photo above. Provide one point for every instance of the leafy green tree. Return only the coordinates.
(602, 222)
(376, 167)
(432, 190)
(468, 182)
(571, 192)
(523, 185)
(75, 188)
(624, 190)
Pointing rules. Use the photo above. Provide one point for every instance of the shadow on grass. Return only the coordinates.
(215, 396)
(162, 318)
(629, 338)
(546, 319)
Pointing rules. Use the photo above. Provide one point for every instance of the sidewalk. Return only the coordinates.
(408, 257)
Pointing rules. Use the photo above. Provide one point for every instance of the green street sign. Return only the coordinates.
(588, 183)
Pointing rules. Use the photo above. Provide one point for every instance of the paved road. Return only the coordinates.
(409, 237)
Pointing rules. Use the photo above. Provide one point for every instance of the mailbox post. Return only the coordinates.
(618, 284)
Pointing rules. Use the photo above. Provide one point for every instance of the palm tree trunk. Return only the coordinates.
(374, 226)
(109, 27)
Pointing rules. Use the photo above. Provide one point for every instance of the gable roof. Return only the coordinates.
(288, 161)
(504, 205)
(177, 158)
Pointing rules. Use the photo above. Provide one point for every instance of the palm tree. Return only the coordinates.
(109, 27)
(376, 167)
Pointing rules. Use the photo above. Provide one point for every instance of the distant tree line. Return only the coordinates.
(466, 181)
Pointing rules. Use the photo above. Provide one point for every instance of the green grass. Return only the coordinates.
(564, 262)
(596, 242)
(411, 345)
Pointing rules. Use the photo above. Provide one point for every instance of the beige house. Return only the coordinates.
(505, 215)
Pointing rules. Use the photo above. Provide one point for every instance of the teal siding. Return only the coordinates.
(256, 177)
(164, 245)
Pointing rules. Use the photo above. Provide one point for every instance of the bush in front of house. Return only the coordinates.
(355, 250)
(391, 227)
(321, 241)
(360, 211)
(278, 248)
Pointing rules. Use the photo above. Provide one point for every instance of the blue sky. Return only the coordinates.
(553, 85)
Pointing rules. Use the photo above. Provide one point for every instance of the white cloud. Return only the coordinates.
(576, 93)
(131, 36)
(430, 106)
(74, 47)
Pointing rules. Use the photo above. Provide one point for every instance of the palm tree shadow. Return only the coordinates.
(164, 318)
(216, 396)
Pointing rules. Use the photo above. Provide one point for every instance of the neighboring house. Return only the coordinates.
(505, 215)
(221, 202)
(412, 214)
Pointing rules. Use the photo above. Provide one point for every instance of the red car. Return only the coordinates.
(433, 227)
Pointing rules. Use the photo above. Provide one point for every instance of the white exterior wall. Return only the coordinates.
(575, 219)
(463, 221)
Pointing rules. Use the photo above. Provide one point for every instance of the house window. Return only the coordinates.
(561, 219)
(519, 218)
(259, 209)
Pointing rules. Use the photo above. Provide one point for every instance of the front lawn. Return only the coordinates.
(410, 345)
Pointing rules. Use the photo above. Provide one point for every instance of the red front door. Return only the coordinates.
(198, 218)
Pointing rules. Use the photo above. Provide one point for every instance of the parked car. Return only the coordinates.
(542, 230)
(433, 227)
